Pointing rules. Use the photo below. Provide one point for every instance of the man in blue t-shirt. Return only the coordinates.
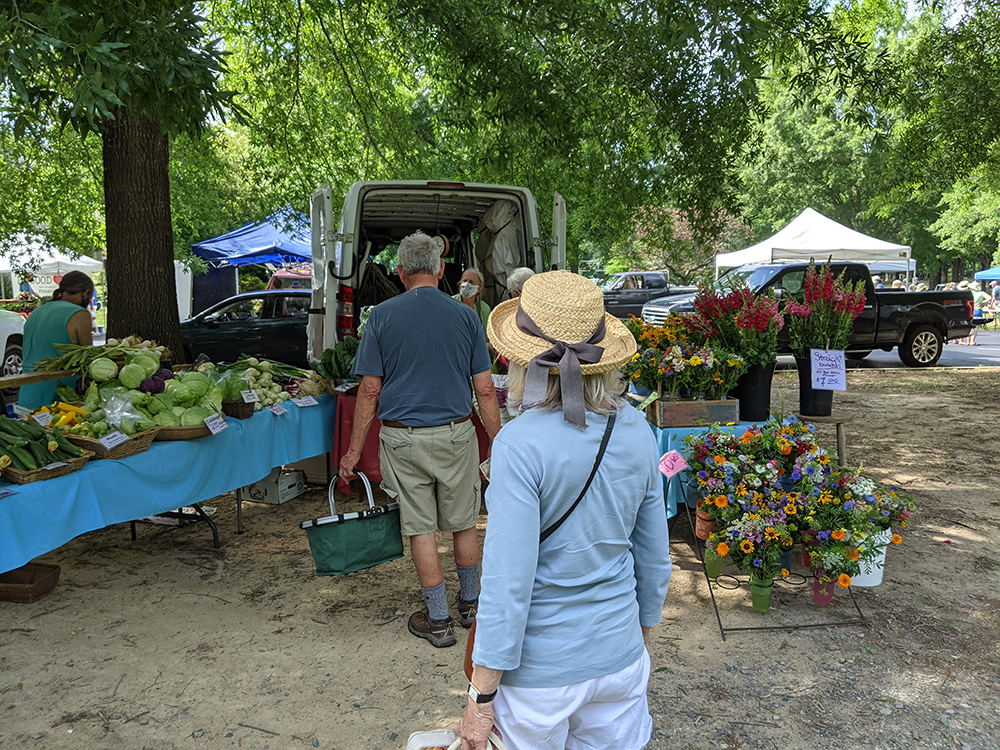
(418, 352)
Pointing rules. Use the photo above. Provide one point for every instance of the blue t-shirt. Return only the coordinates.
(425, 346)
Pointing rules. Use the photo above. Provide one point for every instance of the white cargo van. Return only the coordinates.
(494, 228)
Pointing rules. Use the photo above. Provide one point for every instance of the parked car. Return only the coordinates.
(268, 324)
(626, 293)
(918, 323)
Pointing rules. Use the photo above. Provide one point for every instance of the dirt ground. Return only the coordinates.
(168, 643)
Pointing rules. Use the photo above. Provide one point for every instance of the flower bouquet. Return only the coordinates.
(671, 361)
(821, 321)
(740, 322)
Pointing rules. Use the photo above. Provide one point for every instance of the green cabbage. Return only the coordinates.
(103, 369)
(178, 411)
(160, 402)
(132, 376)
(197, 383)
(167, 418)
(196, 415)
(179, 393)
(139, 398)
(212, 399)
(148, 361)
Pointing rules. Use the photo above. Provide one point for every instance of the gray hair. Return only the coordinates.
(517, 277)
(480, 281)
(418, 253)
(601, 392)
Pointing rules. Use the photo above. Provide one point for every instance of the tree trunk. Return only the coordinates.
(142, 291)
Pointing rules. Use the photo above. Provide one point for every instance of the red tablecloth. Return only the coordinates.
(369, 455)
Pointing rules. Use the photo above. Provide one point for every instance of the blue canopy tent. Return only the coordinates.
(990, 274)
(267, 241)
(280, 239)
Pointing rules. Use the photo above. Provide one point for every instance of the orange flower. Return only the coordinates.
(786, 449)
(722, 549)
(844, 581)
(719, 459)
(721, 501)
(747, 437)
(747, 546)
(853, 554)
(785, 573)
(897, 539)
(838, 534)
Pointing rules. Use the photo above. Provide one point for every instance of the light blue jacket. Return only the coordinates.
(571, 610)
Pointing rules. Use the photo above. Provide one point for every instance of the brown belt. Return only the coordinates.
(389, 423)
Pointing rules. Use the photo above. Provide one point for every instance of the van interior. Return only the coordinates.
(482, 229)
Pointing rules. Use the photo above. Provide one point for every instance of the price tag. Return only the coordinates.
(672, 464)
(43, 417)
(216, 423)
(21, 412)
(829, 372)
(112, 439)
(344, 387)
(56, 465)
(7, 493)
(305, 401)
(249, 397)
(277, 409)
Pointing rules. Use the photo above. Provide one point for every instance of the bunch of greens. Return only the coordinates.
(337, 362)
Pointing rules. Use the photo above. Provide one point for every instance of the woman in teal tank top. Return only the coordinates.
(64, 320)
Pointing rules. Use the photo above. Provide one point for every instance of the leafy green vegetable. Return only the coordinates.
(103, 369)
(132, 376)
(194, 416)
(167, 418)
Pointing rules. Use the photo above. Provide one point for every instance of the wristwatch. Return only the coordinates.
(481, 697)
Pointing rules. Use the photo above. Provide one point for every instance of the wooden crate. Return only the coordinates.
(690, 413)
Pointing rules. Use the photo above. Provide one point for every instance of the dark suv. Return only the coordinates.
(626, 293)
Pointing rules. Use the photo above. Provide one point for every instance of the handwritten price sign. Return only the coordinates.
(672, 464)
(829, 373)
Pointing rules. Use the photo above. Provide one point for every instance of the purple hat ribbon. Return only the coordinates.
(567, 357)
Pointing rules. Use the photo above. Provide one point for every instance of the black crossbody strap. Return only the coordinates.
(593, 472)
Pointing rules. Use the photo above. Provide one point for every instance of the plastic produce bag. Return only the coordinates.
(118, 407)
(233, 383)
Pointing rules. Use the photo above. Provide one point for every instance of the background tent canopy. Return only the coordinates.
(990, 274)
(267, 241)
(812, 235)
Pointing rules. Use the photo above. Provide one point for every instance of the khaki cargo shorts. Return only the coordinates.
(434, 474)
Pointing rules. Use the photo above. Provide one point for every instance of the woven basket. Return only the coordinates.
(138, 443)
(27, 477)
(29, 583)
(237, 409)
(183, 433)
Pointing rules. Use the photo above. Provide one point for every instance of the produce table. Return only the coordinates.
(672, 439)
(44, 515)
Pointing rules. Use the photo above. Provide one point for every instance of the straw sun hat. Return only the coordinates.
(567, 308)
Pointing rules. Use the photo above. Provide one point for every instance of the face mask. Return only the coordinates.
(468, 290)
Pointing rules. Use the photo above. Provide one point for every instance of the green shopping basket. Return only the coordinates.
(347, 542)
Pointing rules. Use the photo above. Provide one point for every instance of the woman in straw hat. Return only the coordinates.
(575, 570)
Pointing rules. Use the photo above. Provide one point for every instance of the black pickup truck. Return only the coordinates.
(918, 323)
(626, 293)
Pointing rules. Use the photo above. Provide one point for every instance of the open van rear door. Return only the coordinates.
(558, 253)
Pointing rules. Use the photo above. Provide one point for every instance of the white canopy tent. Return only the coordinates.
(812, 235)
(48, 267)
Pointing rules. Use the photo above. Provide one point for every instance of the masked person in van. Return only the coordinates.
(470, 293)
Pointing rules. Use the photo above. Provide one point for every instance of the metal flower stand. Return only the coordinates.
(795, 579)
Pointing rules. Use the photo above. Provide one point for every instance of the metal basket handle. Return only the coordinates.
(333, 486)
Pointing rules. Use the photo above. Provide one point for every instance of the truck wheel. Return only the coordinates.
(858, 355)
(922, 346)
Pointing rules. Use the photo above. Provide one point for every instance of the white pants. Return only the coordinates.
(598, 714)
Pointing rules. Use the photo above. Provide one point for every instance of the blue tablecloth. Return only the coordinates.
(672, 439)
(44, 515)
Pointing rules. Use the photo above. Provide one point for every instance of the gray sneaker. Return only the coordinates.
(441, 633)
